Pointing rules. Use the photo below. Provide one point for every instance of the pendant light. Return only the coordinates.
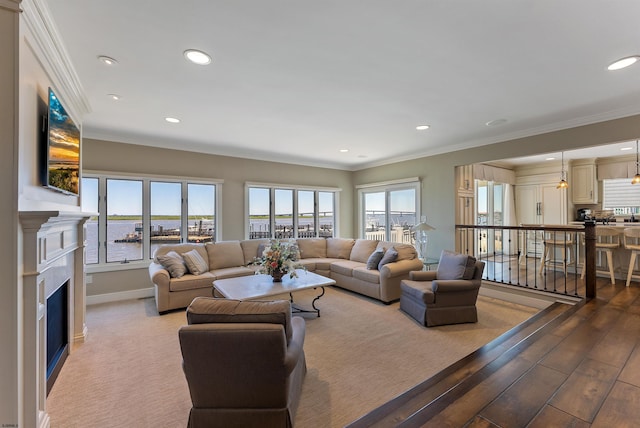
(636, 178)
(563, 176)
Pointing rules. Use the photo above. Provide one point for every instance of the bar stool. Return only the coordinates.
(632, 243)
(558, 240)
(607, 240)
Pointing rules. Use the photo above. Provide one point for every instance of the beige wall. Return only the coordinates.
(136, 159)
(115, 157)
(437, 172)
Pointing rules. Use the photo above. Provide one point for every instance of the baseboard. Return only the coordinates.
(122, 295)
(531, 298)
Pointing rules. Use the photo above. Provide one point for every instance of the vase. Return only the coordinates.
(277, 275)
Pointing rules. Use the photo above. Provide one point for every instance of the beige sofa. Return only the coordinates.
(343, 260)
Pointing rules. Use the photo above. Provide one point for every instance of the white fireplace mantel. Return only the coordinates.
(53, 253)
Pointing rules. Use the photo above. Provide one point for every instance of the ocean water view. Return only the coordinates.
(124, 236)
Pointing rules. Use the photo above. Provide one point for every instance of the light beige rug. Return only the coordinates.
(360, 354)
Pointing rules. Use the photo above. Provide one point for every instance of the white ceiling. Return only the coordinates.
(298, 80)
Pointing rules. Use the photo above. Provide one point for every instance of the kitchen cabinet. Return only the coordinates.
(541, 204)
(464, 178)
(465, 215)
(584, 184)
(538, 201)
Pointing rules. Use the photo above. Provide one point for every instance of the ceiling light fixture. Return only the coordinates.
(422, 127)
(563, 175)
(496, 122)
(623, 63)
(197, 57)
(344, 150)
(114, 97)
(636, 178)
(549, 158)
(172, 120)
(107, 60)
(626, 148)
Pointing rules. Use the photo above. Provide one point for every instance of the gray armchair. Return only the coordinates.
(244, 362)
(432, 301)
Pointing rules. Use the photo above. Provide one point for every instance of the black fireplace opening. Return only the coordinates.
(57, 332)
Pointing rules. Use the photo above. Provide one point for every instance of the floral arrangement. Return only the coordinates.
(279, 258)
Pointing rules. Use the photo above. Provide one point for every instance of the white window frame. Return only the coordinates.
(103, 176)
(272, 189)
(386, 187)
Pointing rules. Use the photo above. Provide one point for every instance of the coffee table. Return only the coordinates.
(258, 286)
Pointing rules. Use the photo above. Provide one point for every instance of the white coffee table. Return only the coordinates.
(259, 286)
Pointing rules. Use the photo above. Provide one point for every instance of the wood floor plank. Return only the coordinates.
(631, 372)
(520, 403)
(552, 417)
(586, 389)
(571, 351)
(480, 422)
(621, 409)
(462, 410)
(616, 347)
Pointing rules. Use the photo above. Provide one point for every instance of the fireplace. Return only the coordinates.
(53, 299)
(57, 332)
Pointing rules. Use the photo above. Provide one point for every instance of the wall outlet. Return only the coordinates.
(89, 279)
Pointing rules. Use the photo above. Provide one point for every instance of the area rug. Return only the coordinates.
(360, 354)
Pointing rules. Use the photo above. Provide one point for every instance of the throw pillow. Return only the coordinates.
(374, 259)
(455, 266)
(196, 264)
(174, 263)
(389, 256)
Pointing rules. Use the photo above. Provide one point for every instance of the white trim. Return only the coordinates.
(531, 298)
(57, 64)
(291, 186)
(111, 174)
(409, 180)
(141, 293)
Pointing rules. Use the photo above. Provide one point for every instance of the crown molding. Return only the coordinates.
(10, 5)
(54, 57)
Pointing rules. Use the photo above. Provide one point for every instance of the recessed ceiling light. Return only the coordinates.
(550, 159)
(107, 60)
(114, 97)
(197, 57)
(496, 122)
(344, 150)
(626, 148)
(422, 127)
(172, 120)
(624, 62)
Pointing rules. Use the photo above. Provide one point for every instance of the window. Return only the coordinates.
(281, 212)
(621, 196)
(139, 214)
(389, 211)
(489, 212)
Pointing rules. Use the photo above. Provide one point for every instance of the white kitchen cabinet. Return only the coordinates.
(464, 178)
(584, 184)
(465, 209)
(540, 203)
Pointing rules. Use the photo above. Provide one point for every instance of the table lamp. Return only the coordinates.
(421, 230)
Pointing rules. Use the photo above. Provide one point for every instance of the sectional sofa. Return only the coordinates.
(343, 260)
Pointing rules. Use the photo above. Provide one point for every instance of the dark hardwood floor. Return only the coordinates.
(568, 366)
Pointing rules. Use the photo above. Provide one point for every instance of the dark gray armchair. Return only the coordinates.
(244, 362)
(433, 301)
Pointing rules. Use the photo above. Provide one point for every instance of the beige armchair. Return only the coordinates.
(244, 362)
(432, 301)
